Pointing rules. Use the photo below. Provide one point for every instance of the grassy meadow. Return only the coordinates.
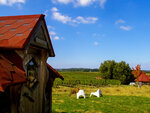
(73, 79)
(115, 99)
(79, 75)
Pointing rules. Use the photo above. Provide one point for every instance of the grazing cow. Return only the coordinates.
(98, 93)
(81, 93)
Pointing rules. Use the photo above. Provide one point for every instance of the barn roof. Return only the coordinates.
(143, 78)
(16, 31)
(10, 74)
(53, 71)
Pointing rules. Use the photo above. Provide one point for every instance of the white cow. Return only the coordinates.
(98, 93)
(80, 93)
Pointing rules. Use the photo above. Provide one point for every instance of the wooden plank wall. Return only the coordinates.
(26, 104)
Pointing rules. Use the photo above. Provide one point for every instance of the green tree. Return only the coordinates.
(119, 71)
(122, 72)
(106, 69)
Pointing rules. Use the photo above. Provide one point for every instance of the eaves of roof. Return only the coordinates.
(56, 74)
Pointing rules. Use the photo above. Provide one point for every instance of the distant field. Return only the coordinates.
(148, 73)
(80, 75)
(115, 99)
(83, 75)
(72, 79)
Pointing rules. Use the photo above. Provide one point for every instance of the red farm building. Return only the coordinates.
(99, 77)
(143, 78)
(25, 77)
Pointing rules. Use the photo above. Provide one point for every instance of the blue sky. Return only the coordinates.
(85, 33)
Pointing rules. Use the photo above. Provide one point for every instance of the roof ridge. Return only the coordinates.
(20, 17)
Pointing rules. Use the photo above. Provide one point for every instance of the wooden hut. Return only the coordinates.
(25, 77)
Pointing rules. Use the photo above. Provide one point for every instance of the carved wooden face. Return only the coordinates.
(31, 74)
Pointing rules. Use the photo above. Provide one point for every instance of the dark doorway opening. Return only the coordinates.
(5, 102)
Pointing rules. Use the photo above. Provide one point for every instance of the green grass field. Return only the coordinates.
(115, 99)
(73, 79)
(80, 75)
(106, 104)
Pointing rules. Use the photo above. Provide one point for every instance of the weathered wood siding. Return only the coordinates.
(31, 101)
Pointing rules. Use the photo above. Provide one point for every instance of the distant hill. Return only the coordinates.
(78, 69)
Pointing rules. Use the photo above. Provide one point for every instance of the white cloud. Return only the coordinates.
(81, 2)
(56, 38)
(102, 3)
(52, 33)
(126, 28)
(11, 2)
(54, 9)
(120, 21)
(62, 18)
(123, 27)
(51, 27)
(96, 43)
(67, 19)
(86, 20)
(59, 17)
(84, 2)
(3, 2)
(63, 1)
